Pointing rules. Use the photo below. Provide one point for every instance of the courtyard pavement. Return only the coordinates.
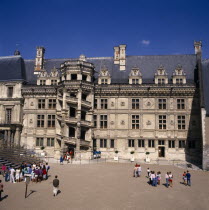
(109, 186)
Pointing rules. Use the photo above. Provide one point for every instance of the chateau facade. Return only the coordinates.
(154, 104)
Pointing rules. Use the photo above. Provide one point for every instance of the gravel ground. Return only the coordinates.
(109, 186)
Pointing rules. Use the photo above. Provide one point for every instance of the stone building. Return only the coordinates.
(154, 104)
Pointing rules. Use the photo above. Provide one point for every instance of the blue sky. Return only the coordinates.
(69, 28)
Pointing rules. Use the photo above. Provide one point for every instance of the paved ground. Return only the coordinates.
(109, 186)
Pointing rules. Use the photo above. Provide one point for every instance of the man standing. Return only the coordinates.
(188, 175)
(1, 189)
(12, 175)
(55, 185)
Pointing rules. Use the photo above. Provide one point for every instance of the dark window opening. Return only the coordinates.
(83, 133)
(112, 143)
(84, 77)
(83, 115)
(73, 76)
(72, 112)
(71, 132)
(10, 92)
(73, 95)
(84, 96)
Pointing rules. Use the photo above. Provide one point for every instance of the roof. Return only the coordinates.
(12, 68)
(147, 65)
(205, 78)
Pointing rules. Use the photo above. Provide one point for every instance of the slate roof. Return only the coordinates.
(205, 78)
(147, 65)
(12, 68)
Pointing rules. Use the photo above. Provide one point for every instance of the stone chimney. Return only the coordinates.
(116, 55)
(39, 61)
(198, 47)
(122, 57)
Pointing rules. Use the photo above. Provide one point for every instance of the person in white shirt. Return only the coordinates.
(166, 179)
(17, 175)
(139, 170)
(12, 173)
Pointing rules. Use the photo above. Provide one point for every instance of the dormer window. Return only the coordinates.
(179, 81)
(135, 77)
(73, 76)
(161, 77)
(161, 81)
(135, 81)
(10, 92)
(179, 76)
(53, 82)
(42, 82)
(84, 77)
(104, 76)
(104, 81)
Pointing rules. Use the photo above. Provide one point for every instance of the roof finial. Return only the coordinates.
(17, 52)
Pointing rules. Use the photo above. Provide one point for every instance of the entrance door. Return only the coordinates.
(161, 151)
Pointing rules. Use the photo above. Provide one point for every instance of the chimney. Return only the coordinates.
(122, 57)
(39, 61)
(198, 47)
(116, 55)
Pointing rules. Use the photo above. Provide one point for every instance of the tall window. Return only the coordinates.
(95, 120)
(41, 103)
(40, 121)
(135, 121)
(162, 103)
(180, 103)
(95, 103)
(179, 81)
(161, 142)
(131, 143)
(50, 142)
(10, 92)
(103, 143)
(135, 103)
(53, 82)
(39, 142)
(171, 144)
(181, 122)
(140, 142)
(104, 81)
(8, 115)
(182, 144)
(42, 82)
(52, 104)
(161, 81)
(103, 121)
(103, 103)
(135, 81)
(51, 121)
(84, 77)
(162, 122)
(73, 76)
(151, 143)
(112, 143)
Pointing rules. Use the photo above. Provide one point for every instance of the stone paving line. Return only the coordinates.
(109, 186)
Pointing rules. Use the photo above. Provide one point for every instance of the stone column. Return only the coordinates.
(5, 137)
(9, 138)
(62, 138)
(17, 137)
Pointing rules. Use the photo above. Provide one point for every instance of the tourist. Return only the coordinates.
(36, 171)
(68, 157)
(170, 179)
(148, 172)
(136, 170)
(47, 170)
(61, 160)
(184, 178)
(17, 175)
(12, 174)
(150, 177)
(188, 176)
(55, 185)
(153, 178)
(166, 179)
(3, 168)
(1, 189)
(44, 172)
(158, 177)
(139, 170)
(7, 175)
(40, 176)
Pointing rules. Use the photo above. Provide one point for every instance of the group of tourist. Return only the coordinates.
(36, 172)
(155, 177)
(66, 157)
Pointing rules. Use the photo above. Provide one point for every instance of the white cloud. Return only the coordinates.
(145, 42)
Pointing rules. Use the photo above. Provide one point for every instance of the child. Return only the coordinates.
(148, 172)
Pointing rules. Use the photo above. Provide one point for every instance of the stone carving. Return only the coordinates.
(122, 103)
(112, 104)
(31, 121)
(122, 122)
(148, 122)
(172, 122)
(31, 103)
(112, 122)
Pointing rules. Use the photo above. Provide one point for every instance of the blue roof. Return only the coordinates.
(12, 68)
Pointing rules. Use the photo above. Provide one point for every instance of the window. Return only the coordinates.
(151, 143)
(135, 81)
(8, 116)
(41, 103)
(53, 82)
(42, 82)
(40, 121)
(94, 144)
(171, 144)
(161, 142)
(103, 143)
(103, 121)
(135, 103)
(52, 104)
(73, 76)
(50, 142)
(72, 112)
(181, 143)
(39, 142)
(103, 103)
(10, 92)
(181, 122)
(131, 143)
(161, 81)
(180, 103)
(71, 132)
(162, 103)
(95, 103)
(83, 134)
(95, 121)
(191, 144)
(84, 77)
(162, 122)
(112, 143)
(140, 142)
(51, 121)
(83, 115)
(135, 121)
(104, 81)
(179, 81)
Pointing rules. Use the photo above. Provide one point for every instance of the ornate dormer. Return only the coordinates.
(135, 77)
(104, 76)
(161, 77)
(54, 77)
(179, 76)
(42, 78)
